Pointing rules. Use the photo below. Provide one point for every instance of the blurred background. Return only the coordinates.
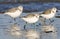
(22, 1)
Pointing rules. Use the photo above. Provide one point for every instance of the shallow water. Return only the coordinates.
(6, 23)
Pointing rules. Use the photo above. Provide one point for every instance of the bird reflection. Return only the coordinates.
(49, 30)
(32, 34)
(15, 30)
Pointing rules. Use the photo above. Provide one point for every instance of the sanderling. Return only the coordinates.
(48, 14)
(30, 18)
(14, 12)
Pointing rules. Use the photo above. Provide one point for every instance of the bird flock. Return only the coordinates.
(31, 18)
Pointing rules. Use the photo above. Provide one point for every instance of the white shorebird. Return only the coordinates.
(14, 12)
(30, 18)
(49, 13)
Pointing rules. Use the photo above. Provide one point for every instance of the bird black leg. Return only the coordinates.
(39, 24)
(51, 21)
(33, 23)
(14, 20)
(25, 26)
(44, 21)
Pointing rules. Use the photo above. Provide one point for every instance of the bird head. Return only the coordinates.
(54, 10)
(20, 8)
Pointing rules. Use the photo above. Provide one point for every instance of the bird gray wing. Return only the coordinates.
(11, 10)
(47, 11)
(28, 16)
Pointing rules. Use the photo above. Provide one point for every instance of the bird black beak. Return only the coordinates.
(57, 11)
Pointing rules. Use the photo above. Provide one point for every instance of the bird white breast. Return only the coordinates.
(14, 14)
(31, 20)
(48, 16)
